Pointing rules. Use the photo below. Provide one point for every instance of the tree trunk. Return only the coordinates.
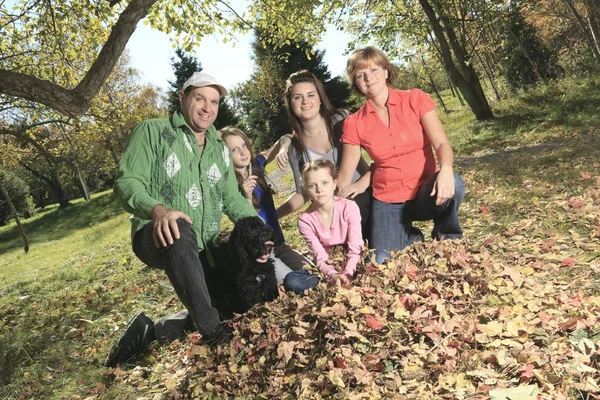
(83, 184)
(592, 8)
(463, 75)
(54, 186)
(17, 220)
(433, 86)
(490, 76)
(586, 34)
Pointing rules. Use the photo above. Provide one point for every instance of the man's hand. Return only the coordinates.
(164, 224)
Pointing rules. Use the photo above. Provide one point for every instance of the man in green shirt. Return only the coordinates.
(176, 177)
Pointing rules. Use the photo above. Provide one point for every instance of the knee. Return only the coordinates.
(187, 234)
(459, 187)
(299, 281)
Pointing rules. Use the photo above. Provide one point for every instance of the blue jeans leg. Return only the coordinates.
(391, 228)
(445, 216)
(299, 281)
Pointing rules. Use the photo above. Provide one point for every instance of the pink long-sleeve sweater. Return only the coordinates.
(345, 229)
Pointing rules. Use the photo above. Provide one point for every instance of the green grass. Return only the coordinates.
(61, 305)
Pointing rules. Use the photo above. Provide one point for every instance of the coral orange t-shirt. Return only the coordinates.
(402, 153)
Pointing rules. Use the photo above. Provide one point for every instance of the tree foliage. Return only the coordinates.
(526, 59)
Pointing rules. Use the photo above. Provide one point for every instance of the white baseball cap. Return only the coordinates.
(201, 79)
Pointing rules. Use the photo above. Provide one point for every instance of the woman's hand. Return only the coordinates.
(353, 190)
(443, 187)
(282, 158)
(249, 185)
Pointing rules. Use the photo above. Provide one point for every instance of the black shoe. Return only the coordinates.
(222, 334)
(139, 333)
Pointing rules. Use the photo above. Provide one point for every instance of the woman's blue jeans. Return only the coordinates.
(392, 222)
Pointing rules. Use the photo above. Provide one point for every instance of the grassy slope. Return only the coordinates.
(61, 304)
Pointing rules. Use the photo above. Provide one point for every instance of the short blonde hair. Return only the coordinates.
(317, 165)
(362, 58)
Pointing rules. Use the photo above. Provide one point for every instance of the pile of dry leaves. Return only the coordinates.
(441, 320)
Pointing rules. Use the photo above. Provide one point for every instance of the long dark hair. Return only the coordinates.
(261, 180)
(327, 110)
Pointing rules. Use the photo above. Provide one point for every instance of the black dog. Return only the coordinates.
(244, 273)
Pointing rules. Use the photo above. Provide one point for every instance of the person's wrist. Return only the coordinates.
(157, 209)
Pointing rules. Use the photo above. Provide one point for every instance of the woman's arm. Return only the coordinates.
(443, 188)
(293, 203)
(278, 151)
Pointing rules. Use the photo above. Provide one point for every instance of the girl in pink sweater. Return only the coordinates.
(329, 221)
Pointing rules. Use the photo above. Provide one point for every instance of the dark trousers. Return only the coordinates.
(184, 266)
(364, 201)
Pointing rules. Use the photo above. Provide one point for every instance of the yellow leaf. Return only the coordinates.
(336, 379)
(493, 328)
(366, 310)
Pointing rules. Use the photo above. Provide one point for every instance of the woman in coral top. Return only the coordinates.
(399, 130)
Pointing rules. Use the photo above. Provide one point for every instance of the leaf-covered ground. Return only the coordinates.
(510, 312)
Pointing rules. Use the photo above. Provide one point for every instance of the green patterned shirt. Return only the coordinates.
(161, 164)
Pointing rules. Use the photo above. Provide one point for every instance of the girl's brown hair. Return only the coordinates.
(317, 165)
(261, 180)
(361, 58)
(327, 110)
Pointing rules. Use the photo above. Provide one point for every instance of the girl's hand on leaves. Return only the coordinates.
(443, 186)
(249, 185)
(340, 280)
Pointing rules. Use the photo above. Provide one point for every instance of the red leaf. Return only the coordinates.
(484, 209)
(527, 373)
(374, 323)
(568, 262)
(576, 203)
(340, 363)
(411, 272)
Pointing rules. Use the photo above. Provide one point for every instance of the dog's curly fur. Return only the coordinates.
(242, 281)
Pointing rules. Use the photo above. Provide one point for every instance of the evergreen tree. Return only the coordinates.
(183, 67)
(260, 99)
(526, 59)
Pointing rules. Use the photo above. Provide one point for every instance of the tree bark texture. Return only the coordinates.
(461, 72)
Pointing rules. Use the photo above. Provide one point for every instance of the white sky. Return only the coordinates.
(151, 52)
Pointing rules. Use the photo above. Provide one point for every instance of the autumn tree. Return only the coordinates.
(526, 60)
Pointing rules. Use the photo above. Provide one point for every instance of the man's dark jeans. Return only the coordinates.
(186, 268)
